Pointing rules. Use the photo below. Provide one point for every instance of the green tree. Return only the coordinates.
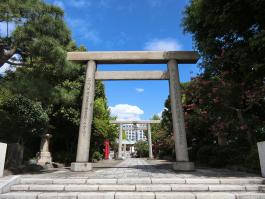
(124, 136)
(224, 106)
(44, 76)
(141, 147)
(102, 129)
(155, 128)
(22, 120)
(230, 37)
(40, 33)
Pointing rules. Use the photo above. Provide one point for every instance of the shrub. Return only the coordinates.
(204, 154)
(97, 156)
(64, 157)
(221, 156)
(252, 160)
(141, 147)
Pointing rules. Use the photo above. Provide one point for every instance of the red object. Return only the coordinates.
(107, 149)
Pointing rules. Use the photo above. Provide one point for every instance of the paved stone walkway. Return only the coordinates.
(137, 168)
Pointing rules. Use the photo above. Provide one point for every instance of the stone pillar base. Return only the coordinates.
(183, 166)
(81, 166)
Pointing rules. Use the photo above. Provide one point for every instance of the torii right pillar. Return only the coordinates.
(182, 158)
(150, 141)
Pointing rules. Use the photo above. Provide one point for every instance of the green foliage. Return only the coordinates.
(40, 35)
(230, 37)
(47, 80)
(141, 147)
(23, 121)
(252, 160)
(63, 157)
(97, 156)
(219, 156)
(25, 115)
(155, 128)
(163, 136)
(102, 129)
(224, 106)
(124, 136)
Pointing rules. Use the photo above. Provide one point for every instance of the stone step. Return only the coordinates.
(132, 195)
(237, 181)
(138, 187)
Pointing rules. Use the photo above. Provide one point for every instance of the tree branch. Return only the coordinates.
(16, 64)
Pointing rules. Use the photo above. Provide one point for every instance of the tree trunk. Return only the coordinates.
(243, 123)
(221, 138)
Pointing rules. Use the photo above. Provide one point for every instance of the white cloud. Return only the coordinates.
(139, 90)
(167, 44)
(5, 68)
(160, 114)
(126, 112)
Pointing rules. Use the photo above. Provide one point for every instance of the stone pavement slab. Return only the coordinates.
(143, 168)
(175, 196)
(97, 195)
(215, 196)
(116, 187)
(20, 195)
(81, 188)
(192, 187)
(139, 178)
(135, 195)
(153, 188)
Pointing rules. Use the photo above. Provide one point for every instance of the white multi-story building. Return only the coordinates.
(134, 132)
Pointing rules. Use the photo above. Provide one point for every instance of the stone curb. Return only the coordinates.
(5, 187)
(186, 181)
(139, 188)
(131, 195)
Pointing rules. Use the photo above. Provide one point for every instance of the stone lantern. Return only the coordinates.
(44, 156)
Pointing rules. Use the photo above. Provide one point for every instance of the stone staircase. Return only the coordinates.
(138, 188)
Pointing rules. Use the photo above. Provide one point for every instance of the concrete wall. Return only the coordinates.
(261, 148)
(2, 157)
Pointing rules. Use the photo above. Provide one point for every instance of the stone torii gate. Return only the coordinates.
(149, 137)
(171, 58)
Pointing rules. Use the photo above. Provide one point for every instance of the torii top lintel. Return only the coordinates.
(132, 57)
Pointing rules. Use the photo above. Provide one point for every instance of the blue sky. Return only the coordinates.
(105, 25)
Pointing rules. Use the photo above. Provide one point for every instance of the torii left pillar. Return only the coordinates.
(83, 146)
(120, 143)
